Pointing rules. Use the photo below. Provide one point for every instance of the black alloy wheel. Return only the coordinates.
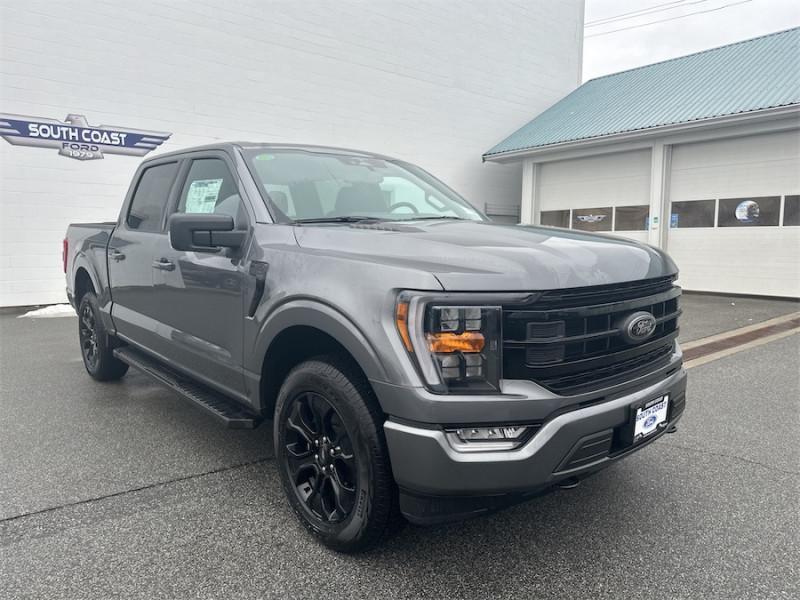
(97, 345)
(87, 331)
(332, 455)
(320, 459)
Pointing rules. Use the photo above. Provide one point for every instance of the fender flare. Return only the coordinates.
(314, 313)
(82, 262)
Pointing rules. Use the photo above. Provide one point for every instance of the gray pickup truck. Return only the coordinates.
(417, 362)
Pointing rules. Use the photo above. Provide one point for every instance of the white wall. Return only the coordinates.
(435, 83)
(748, 260)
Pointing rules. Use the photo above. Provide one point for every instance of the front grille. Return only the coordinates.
(569, 340)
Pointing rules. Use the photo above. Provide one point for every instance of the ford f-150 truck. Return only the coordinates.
(416, 361)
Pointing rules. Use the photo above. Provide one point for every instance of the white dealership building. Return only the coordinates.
(699, 155)
(434, 83)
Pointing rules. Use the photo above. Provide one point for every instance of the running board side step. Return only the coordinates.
(232, 415)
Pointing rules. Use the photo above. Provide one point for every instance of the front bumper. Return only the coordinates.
(439, 483)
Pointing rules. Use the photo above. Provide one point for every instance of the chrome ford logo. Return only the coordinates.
(638, 327)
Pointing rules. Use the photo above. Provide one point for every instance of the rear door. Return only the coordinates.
(131, 249)
(200, 299)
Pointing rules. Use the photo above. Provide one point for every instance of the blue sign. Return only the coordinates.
(75, 138)
(673, 221)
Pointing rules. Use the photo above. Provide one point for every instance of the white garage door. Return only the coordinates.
(734, 215)
(607, 193)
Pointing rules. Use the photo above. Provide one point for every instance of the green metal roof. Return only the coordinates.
(752, 75)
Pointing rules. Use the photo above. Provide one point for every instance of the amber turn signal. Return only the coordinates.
(468, 341)
(401, 320)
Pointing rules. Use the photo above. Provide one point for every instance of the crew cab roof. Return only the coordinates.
(230, 146)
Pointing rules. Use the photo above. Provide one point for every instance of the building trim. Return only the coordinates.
(703, 129)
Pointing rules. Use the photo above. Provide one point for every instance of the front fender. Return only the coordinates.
(314, 313)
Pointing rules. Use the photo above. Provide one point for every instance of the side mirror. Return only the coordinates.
(203, 232)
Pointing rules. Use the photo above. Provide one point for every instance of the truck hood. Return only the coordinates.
(482, 256)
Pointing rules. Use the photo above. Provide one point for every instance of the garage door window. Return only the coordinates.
(631, 218)
(555, 218)
(791, 211)
(592, 219)
(749, 212)
(692, 213)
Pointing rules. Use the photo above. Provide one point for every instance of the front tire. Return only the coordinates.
(96, 350)
(332, 455)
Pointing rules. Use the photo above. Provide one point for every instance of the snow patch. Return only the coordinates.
(48, 312)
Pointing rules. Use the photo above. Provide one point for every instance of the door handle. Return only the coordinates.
(163, 264)
(116, 255)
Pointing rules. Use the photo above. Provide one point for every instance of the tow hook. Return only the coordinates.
(672, 429)
(569, 484)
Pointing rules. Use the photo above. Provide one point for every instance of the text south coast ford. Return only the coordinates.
(75, 138)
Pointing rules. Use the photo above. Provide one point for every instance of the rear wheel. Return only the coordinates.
(332, 455)
(96, 350)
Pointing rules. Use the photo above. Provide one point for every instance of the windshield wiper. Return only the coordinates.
(410, 218)
(347, 219)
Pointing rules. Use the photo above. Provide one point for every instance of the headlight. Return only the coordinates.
(457, 347)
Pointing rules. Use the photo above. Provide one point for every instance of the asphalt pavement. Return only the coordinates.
(125, 490)
(709, 314)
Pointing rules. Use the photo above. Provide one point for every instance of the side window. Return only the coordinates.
(210, 188)
(150, 197)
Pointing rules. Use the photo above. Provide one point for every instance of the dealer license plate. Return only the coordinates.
(650, 417)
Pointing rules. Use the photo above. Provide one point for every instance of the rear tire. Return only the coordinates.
(96, 347)
(332, 455)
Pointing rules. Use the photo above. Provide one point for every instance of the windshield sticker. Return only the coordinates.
(202, 195)
(265, 157)
(362, 161)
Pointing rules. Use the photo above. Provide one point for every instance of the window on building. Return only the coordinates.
(749, 212)
(692, 213)
(555, 218)
(150, 197)
(791, 210)
(631, 218)
(592, 219)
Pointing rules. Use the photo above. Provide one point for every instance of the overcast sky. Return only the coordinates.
(739, 20)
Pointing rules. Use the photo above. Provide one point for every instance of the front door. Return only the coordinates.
(130, 255)
(200, 295)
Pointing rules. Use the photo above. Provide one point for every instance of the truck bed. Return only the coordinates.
(85, 248)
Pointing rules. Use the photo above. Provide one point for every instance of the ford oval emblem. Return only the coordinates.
(638, 327)
(650, 421)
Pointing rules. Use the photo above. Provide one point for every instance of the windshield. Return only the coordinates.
(320, 186)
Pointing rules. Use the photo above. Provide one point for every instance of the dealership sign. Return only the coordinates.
(75, 138)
